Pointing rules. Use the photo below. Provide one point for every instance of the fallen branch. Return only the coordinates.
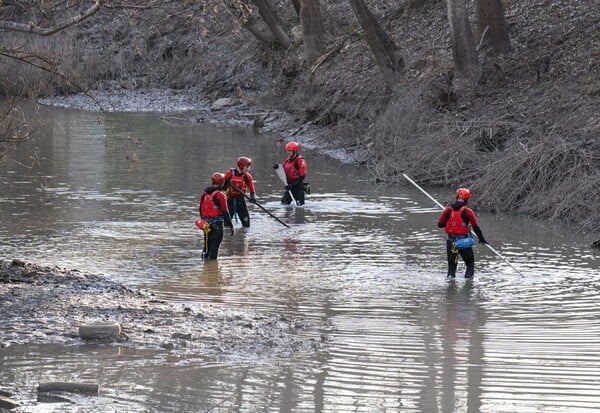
(47, 31)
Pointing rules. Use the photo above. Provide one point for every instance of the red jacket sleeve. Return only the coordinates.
(444, 217)
(250, 183)
(301, 167)
(472, 217)
(223, 201)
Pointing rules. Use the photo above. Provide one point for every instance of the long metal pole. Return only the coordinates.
(441, 206)
(238, 190)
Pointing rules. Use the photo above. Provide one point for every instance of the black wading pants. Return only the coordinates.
(215, 236)
(466, 254)
(297, 191)
(238, 206)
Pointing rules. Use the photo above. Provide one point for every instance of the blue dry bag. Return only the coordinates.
(461, 244)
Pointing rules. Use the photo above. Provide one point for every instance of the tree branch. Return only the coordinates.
(47, 31)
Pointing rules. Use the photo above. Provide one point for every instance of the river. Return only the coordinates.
(363, 265)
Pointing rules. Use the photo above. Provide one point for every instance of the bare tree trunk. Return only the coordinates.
(387, 54)
(491, 24)
(243, 13)
(264, 36)
(270, 17)
(296, 4)
(312, 29)
(464, 52)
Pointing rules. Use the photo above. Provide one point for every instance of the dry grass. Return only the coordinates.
(512, 166)
(546, 177)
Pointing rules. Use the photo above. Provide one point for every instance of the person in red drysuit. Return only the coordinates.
(295, 172)
(213, 209)
(238, 182)
(457, 220)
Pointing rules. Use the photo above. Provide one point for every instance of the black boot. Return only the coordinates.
(470, 272)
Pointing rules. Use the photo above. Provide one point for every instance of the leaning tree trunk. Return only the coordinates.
(491, 25)
(243, 13)
(387, 54)
(296, 4)
(312, 29)
(270, 17)
(464, 51)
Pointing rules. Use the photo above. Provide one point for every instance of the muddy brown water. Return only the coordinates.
(362, 265)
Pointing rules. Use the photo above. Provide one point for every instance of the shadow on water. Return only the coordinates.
(362, 265)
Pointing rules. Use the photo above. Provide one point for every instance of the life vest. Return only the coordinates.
(241, 181)
(456, 224)
(210, 206)
(294, 168)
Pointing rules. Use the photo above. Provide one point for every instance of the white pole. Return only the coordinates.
(281, 174)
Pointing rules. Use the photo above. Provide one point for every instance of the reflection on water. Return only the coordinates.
(364, 266)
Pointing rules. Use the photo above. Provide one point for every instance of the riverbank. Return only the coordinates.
(192, 106)
(524, 139)
(46, 305)
(60, 307)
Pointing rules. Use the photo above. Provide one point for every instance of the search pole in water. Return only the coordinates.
(441, 206)
(281, 174)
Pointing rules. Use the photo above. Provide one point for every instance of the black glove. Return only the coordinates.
(288, 187)
(276, 166)
(482, 241)
(252, 199)
(226, 184)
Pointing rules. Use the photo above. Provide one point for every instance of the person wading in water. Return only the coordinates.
(457, 220)
(213, 209)
(295, 172)
(238, 181)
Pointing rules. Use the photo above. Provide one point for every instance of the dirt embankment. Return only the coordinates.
(525, 139)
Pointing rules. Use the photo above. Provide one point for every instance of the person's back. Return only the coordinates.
(213, 209)
(458, 220)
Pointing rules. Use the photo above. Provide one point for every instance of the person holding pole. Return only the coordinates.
(213, 209)
(294, 167)
(457, 220)
(238, 181)
(408, 178)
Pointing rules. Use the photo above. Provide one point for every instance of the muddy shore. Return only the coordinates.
(46, 305)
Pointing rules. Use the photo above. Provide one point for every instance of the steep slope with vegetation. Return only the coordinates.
(525, 137)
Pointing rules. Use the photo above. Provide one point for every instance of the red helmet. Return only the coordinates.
(463, 193)
(218, 178)
(243, 161)
(292, 146)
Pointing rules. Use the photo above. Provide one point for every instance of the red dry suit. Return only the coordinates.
(213, 204)
(295, 168)
(457, 221)
(242, 181)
